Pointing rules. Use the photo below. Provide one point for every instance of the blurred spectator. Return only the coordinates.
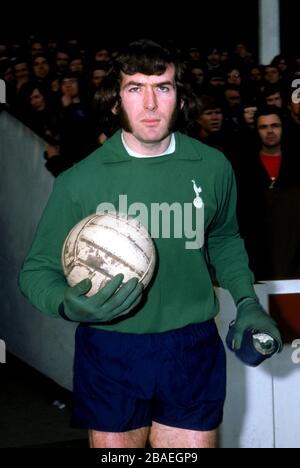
(76, 132)
(194, 55)
(272, 75)
(208, 122)
(39, 114)
(280, 62)
(36, 48)
(102, 55)
(76, 65)
(41, 70)
(269, 201)
(213, 59)
(234, 77)
(272, 96)
(232, 110)
(99, 72)
(61, 59)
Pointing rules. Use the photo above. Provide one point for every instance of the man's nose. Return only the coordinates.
(150, 102)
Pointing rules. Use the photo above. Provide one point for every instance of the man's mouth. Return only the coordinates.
(150, 121)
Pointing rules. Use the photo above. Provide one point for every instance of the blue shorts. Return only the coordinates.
(125, 381)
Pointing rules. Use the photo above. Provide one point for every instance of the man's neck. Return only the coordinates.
(203, 134)
(276, 150)
(145, 148)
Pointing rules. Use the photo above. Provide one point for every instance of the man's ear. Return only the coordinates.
(115, 109)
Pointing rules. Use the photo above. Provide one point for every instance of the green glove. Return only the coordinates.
(251, 315)
(103, 306)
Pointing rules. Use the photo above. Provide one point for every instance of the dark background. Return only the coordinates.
(290, 31)
(201, 23)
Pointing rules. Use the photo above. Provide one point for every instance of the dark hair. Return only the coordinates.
(277, 59)
(199, 105)
(39, 55)
(149, 58)
(268, 110)
(67, 75)
(272, 89)
(28, 88)
(207, 102)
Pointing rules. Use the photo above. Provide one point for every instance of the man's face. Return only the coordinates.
(37, 100)
(69, 86)
(98, 76)
(21, 71)
(272, 74)
(148, 106)
(274, 100)
(214, 57)
(198, 74)
(270, 130)
(211, 120)
(249, 114)
(76, 65)
(37, 48)
(233, 98)
(62, 61)
(234, 77)
(41, 67)
(102, 55)
(255, 74)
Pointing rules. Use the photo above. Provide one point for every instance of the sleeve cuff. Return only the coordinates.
(61, 311)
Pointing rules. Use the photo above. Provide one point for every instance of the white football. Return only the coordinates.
(105, 244)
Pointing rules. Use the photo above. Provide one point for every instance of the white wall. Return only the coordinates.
(248, 416)
(262, 408)
(25, 185)
(269, 30)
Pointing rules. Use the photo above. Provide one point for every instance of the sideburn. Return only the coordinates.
(125, 124)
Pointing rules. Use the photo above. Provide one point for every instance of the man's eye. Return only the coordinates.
(163, 89)
(134, 89)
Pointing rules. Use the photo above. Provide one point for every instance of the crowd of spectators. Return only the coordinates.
(53, 87)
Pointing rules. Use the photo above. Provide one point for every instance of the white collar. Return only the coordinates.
(171, 149)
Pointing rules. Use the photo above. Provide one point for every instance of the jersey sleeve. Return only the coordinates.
(42, 279)
(225, 247)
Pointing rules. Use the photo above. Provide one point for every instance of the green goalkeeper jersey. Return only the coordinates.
(187, 199)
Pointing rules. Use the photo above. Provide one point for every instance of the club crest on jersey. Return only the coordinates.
(198, 202)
